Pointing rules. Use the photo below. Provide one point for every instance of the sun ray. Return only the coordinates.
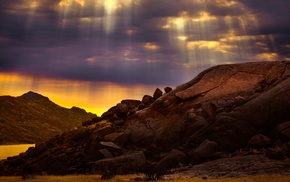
(198, 43)
(111, 12)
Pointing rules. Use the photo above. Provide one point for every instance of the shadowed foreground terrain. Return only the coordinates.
(93, 178)
(33, 118)
(234, 119)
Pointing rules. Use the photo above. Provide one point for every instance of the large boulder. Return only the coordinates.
(131, 103)
(109, 149)
(122, 110)
(204, 151)
(118, 138)
(167, 89)
(157, 93)
(283, 130)
(147, 100)
(171, 160)
(259, 141)
(103, 128)
(119, 165)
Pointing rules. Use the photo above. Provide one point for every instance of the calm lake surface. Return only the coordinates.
(12, 150)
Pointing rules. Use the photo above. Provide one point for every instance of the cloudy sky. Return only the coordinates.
(94, 53)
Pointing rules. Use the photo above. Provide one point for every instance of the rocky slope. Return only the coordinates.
(235, 167)
(33, 118)
(226, 111)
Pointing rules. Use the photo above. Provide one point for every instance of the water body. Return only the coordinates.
(12, 150)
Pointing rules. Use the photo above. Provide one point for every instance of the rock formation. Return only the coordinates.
(225, 111)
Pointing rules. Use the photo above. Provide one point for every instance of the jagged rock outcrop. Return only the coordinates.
(227, 104)
(224, 111)
(33, 118)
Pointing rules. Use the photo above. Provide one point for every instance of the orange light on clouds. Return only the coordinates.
(81, 2)
(268, 56)
(67, 3)
(151, 46)
(226, 3)
(108, 19)
(32, 4)
(93, 97)
(204, 16)
(111, 8)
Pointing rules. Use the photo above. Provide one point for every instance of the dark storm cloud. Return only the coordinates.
(54, 42)
(273, 15)
(133, 73)
(106, 68)
(15, 17)
(165, 8)
(273, 19)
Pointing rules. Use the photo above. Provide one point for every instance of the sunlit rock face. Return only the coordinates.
(224, 111)
(227, 104)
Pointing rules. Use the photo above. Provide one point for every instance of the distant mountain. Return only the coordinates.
(33, 118)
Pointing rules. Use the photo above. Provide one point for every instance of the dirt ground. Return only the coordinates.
(94, 178)
(252, 168)
(237, 167)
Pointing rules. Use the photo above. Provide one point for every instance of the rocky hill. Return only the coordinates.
(33, 118)
(226, 111)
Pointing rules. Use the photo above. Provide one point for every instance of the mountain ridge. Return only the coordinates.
(33, 95)
(33, 118)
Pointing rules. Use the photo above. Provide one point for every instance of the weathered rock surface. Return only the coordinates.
(171, 160)
(126, 163)
(204, 151)
(242, 166)
(158, 93)
(283, 130)
(167, 89)
(259, 141)
(227, 111)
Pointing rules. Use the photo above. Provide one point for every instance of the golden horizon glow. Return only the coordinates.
(93, 97)
(13, 150)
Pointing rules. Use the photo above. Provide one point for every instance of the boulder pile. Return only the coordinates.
(225, 111)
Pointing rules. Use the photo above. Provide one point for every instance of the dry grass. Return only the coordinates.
(94, 178)
(248, 179)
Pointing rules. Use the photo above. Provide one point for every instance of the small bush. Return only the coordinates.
(151, 172)
(107, 175)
